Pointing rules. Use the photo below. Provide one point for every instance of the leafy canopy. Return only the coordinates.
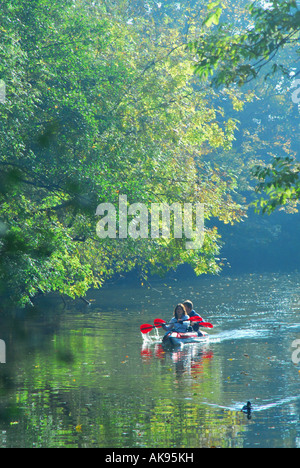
(237, 52)
(100, 104)
(253, 49)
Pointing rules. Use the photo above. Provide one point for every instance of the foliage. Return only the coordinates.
(235, 52)
(280, 182)
(100, 104)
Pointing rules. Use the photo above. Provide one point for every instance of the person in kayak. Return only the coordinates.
(178, 324)
(189, 309)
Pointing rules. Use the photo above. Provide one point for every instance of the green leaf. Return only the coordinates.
(213, 18)
(213, 5)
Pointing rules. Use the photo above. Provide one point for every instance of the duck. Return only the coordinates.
(247, 409)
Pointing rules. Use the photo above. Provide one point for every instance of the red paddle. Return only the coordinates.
(159, 323)
(146, 328)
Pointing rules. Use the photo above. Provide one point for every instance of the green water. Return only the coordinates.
(85, 377)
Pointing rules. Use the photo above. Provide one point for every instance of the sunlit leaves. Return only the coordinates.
(213, 18)
(100, 106)
(279, 181)
(234, 55)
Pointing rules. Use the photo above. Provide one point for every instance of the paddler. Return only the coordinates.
(177, 323)
(189, 309)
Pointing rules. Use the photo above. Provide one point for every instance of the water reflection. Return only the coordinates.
(186, 360)
(84, 378)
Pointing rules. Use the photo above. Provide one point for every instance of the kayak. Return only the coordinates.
(178, 339)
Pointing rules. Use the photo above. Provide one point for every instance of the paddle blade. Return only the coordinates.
(146, 328)
(159, 323)
(206, 325)
(196, 318)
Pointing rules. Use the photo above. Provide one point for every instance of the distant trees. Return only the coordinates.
(260, 51)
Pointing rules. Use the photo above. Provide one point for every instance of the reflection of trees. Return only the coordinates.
(182, 419)
(69, 386)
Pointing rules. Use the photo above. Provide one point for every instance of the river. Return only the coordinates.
(78, 376)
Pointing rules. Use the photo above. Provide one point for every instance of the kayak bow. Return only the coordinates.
(175, 339)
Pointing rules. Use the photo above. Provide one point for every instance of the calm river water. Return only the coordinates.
(85, 377)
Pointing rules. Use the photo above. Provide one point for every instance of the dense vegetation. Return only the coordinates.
(102, 100)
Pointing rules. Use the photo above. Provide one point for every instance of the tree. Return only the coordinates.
(236, 53)
(96, 108)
